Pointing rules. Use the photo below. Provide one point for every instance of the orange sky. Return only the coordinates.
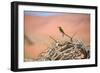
(38, 29)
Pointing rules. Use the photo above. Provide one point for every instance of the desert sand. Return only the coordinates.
(38, 29)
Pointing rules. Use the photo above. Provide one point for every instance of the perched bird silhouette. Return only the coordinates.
(63, 33)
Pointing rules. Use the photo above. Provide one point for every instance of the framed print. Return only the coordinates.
(52, 36)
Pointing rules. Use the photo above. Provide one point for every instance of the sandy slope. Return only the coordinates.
(38, 28)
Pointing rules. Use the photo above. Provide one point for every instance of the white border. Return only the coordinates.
(22, 64)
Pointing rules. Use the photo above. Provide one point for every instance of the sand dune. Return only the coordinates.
(38, 28)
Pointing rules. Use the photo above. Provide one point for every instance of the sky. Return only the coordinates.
(31, 13)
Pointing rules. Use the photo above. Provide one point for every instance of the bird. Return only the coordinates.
(62, 31)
